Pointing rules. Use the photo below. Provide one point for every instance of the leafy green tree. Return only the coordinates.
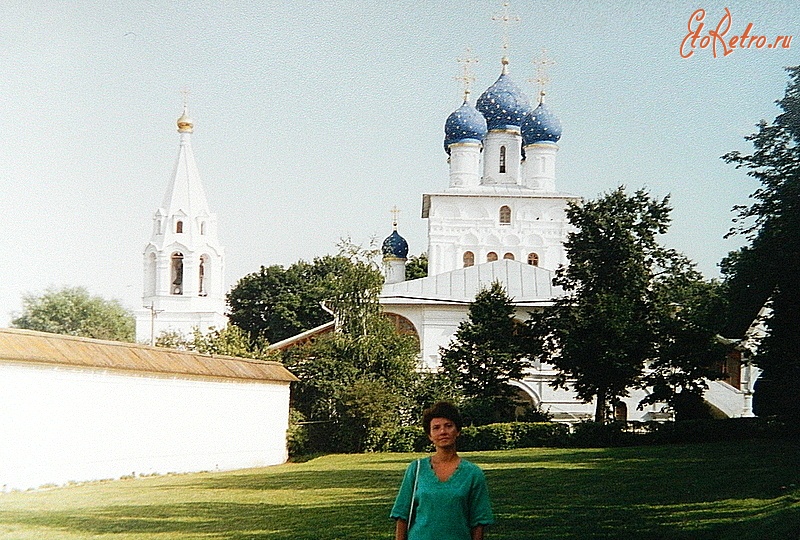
(73, 311)
(276, 303)
(417, 266)
(766, 270)
(228, 341)
(357, 378)
(485, 354)
(688, 353)
(602, 332)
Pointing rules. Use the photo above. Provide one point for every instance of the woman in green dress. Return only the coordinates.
(442, 497)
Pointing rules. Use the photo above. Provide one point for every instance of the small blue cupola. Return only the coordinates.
(464, 125)
(395, 246)
(541, 126)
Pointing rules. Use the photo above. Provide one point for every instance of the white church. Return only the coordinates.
(500, 217)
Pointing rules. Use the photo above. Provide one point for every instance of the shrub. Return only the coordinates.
(535, 434)
(297, 435)
(598, 435)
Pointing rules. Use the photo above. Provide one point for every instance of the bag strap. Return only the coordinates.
(413, 494)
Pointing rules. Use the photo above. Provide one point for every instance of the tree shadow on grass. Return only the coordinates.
(669, 493)
(364, 520)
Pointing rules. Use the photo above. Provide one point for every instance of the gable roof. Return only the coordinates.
(525, 284)
(28, 346)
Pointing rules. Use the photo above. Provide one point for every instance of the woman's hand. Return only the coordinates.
(401, 530)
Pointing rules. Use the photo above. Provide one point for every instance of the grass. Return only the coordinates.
(740, 491)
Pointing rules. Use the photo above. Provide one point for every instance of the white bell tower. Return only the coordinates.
(184, 283)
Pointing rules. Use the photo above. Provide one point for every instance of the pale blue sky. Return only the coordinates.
(312, 119)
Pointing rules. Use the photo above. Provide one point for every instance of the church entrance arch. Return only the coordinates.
(403, 325)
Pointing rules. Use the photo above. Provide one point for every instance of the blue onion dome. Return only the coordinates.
(465, 124)
(395, 246)
(503, 104)
(541, 125)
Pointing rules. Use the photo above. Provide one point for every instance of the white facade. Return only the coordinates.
(184, 264)
(502, 219)
(65, 420)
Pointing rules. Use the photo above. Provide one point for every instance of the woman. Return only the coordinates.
(443, 497)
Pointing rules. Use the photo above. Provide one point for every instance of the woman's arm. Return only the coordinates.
(477, 532)
(401, 530)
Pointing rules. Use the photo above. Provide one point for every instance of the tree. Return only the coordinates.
(485, 354)
(765, 272)
(604, 330)
(417, 267)
(357, 378)
(688, 353)
(73, 311)
(276, 303)
(228, 341)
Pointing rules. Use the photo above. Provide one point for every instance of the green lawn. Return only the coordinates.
(743, 490)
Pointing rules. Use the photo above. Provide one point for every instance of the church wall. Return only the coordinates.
(63, 424)
(461, 223)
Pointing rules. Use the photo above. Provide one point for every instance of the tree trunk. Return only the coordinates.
(600, 410)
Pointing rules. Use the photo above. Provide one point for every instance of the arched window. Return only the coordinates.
(505, 215)
(533, 259)
(509, 256)
(179, 227)
(150, 281)
(469, 259)
(491, 256)
(202, 228)
(201, 286)
(502, 159)
(177, 273)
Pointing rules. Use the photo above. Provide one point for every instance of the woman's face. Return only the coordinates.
(443, 432)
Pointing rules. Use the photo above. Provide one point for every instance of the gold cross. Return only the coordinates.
(505, 19)
(467, 76)
(542, 78)
(395, 212)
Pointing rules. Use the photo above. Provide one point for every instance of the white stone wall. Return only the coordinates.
(62, 424)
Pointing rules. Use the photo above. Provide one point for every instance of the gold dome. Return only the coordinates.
(185, 124)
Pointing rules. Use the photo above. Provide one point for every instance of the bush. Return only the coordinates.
(728, 429)
(535, 434)
(494, 437)
(297, 434)
(597, 435)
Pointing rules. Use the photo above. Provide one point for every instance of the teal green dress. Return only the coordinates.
(444, 510)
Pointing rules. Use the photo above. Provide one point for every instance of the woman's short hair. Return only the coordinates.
(443, 409)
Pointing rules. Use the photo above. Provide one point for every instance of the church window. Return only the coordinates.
(202, 227)
(509, 256)
(502, 159)
(158, 226)
(469, 259)
(150, 280)
(179, 227)
(533, 259)
(491, 256)
(176, 282)
(505, 215)
(201, 286)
